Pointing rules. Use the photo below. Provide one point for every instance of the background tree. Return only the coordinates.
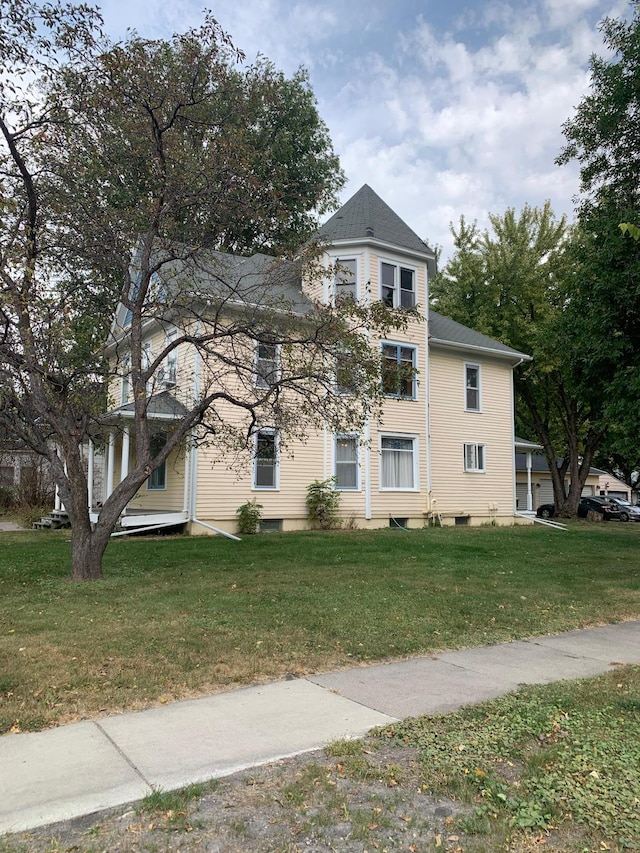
(514, 283)
(603, 136)
(116, 167)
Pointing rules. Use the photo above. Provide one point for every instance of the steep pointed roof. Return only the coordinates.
(367, 217)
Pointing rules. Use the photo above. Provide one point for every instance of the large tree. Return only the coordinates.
(603, 136)
(515, 283)
(123, 168)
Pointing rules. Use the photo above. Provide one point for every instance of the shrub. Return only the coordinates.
(323, 504)
(249, 515)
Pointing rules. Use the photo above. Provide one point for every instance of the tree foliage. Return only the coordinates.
(123, 170)
(603, 137)
(514, 283)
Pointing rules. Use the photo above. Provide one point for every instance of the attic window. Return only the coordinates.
(397, 286)
(346, 277)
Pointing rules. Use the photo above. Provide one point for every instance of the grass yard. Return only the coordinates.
(178, 617)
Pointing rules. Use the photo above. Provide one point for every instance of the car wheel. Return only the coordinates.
(545, 513)
(624, 516)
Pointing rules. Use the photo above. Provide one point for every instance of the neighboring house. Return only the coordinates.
(23, 473)
(442, 450)
(533, 478)
(610, 485)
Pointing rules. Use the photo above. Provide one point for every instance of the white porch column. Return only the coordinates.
(111, 453)
(90, 461)
(529, 495)
(124, 464)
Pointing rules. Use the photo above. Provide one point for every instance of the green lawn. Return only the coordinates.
(177, 617)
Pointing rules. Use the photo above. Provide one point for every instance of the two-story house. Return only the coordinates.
(442, 448)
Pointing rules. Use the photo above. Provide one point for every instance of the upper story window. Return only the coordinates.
(397, 285)
(346, 279)
(265, 462)
(399, 370)
(346, 462)
(125, 388)
(474, 458)
(472, 402)
(266, 364)
(167, 375)
(145, 363)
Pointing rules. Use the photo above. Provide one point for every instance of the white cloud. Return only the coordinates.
(443, 112)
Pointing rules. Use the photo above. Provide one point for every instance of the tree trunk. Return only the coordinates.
(87, 551)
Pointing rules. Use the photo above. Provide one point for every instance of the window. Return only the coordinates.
(346, 278)
(133, 295)
(399, 370)
(346, 462)
(6, 476)
(145, 363)
(265, 464)
(474, 457)
(472, 387)
(158, 477)
(346, 373)
(265, 364)
(398, 462)
(126, 380)
(168, 373)
(397, 288)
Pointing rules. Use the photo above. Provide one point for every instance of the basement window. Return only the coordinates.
(398, 522)
(271, 525)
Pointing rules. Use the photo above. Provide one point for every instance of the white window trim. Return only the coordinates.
(414, 348)
(416, 462)
(276, 462)
(168, 373)
(338, 262)
(150, 488)
(397, 296)
(475, 444)
(258, 380)
(125, 381)
(478, 367)
(355, 437)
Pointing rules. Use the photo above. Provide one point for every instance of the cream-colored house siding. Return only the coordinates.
(456, 492)
(171, 498)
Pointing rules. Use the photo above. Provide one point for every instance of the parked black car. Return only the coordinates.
(628, 512)
(604, 506)
(546, 511)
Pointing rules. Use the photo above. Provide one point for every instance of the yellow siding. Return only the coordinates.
(456, 492)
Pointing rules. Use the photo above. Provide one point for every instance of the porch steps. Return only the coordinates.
(56, 520)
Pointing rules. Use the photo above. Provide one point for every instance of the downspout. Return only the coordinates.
(427, 395)
(367, 423)
(513, 437)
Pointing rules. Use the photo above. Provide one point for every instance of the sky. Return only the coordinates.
(444, 107)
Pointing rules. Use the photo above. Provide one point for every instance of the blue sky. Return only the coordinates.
(444, 108)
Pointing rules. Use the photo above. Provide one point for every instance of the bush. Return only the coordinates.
(323, 504)
(249, 515)
(7, 497)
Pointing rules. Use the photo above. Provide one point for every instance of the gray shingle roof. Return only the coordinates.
(446, 331)
(163, 405)
(367, 217)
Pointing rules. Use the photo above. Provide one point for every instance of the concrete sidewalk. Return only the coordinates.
(82, 768)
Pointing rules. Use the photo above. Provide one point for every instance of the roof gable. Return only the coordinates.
(367, 217)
